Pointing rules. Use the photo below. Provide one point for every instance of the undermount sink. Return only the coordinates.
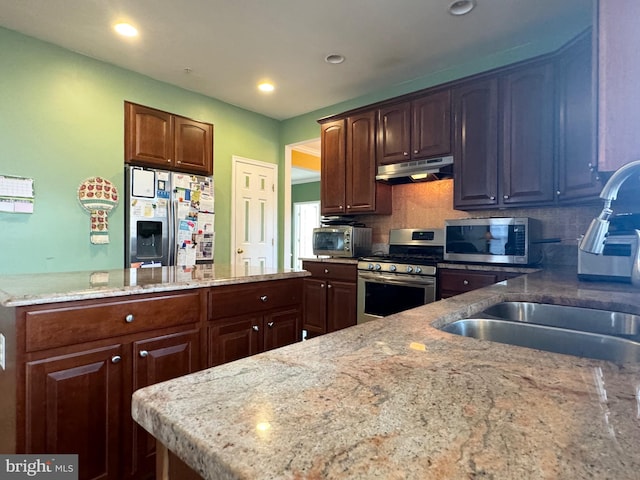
(582, 332)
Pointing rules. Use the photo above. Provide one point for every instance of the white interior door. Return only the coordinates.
(306, 217)
(254, 214)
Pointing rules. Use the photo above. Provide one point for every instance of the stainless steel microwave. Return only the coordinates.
(507, 240)
(342, 241)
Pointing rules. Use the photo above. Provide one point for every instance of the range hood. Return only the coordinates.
(416, 171)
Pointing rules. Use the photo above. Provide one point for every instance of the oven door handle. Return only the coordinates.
(381, 278)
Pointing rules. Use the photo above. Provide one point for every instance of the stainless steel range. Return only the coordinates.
(403, 279)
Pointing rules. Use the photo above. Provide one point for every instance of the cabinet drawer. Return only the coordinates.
(85, 322)
(234, 300)
(465, 281)
(335, 271)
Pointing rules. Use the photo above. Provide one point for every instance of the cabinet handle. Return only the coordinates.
(129, 318)
(348, 206)
(505, 197)
(492, 197)
(255, 328)
(143, 353)
(116, 359)
(168, 160)
(558, 192)
(465, 282)
(329, 286)
(179, 161)
(415, 151)
(270, 324)
(326, 270)
(264, 298)
(406, 154)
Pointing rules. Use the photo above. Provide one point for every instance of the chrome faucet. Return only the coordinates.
(593, 241)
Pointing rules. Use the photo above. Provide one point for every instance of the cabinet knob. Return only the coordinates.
(492, 197)
(406, 154)
(129, 318)
(558, 192)
(264, 298)
(326, 270)
(255, 328)
(505, 197)
(322, 285)
(179, 161)
(168, 160)
(329, 286)
(348, 206)
(270, 324)
(465, 282)
(415, 151)
(116, 359)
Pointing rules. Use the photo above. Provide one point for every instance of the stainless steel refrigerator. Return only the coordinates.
(169, 218)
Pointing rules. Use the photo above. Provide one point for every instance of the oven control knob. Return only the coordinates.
(392, 268)
(370, 266)
(418, 270)
(378, 267)
(409, 269)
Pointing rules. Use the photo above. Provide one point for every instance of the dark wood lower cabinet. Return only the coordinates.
(155, 360)
(73, 366)
(330, 297)
(456, 281)
(74, 405)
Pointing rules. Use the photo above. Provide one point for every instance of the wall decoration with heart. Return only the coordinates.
(98, 196)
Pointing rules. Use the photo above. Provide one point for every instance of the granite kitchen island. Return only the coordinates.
(400, 399)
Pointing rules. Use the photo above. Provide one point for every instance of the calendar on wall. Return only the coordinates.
(16, 194)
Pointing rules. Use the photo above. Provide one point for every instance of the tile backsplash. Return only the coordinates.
(429, 204)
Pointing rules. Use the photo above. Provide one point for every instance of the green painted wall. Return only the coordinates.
(305, 192)
(61, 121)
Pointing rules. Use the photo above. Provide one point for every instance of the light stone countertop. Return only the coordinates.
(32, 289)
(397, 398)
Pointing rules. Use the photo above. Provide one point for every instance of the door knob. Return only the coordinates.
(240, 250)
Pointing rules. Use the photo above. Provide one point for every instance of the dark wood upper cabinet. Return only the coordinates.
(475, 107)
(431, 125)
(577, 162)
(504, 139)
(416, 129)
(528, 133)
(333, 168)
(158, 139)
(348, 167)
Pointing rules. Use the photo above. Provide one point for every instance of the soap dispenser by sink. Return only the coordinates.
(603, 255)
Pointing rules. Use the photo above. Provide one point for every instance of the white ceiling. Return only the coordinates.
(232, 45)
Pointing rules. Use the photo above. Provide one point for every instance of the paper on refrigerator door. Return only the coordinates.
(205, 222)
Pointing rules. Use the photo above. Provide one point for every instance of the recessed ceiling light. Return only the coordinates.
(461, 7)
(266, 87)
(126, 29)
(334, 58)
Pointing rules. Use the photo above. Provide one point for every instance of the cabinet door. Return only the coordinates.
(193, 146)
(315, 306)
(577, 176)
(431, 125)
(361, 163)
(333, 168)
(234, 338)
(342, 300)
(476, 144)
(73, 405)
(527, 147)
(148, 136)
(394, 130)
(282, 328)
(156, 360)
